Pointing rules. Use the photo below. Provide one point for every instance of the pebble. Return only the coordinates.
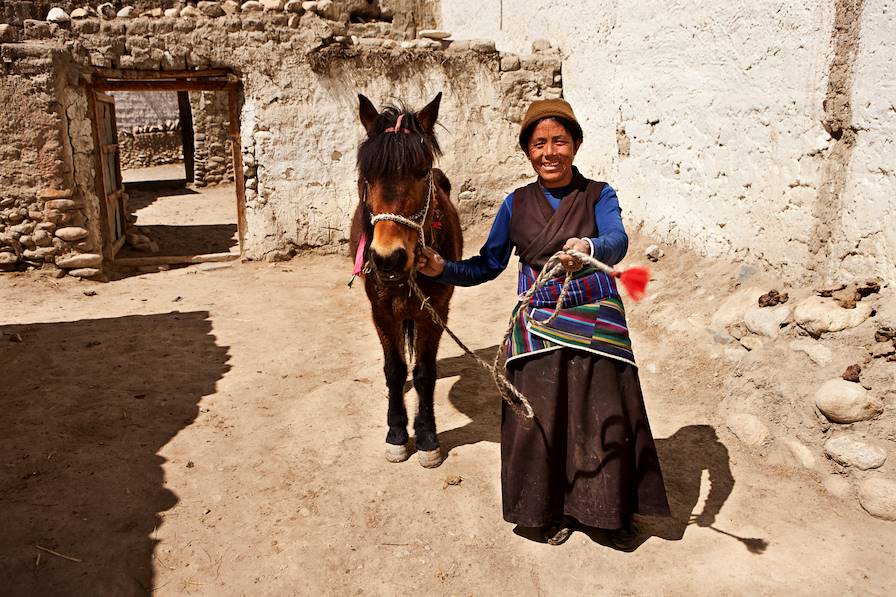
(172, 12)
(250, 6)
(84, 272)
(751, 342)
(57, 15)
(190, 11)
(801, 453)
(654, 253)
(877, 496)
(71, 233)
(125, 13)
(273, 5)
(818, 353)
(294, 6)
(211, 9)
(819, 315)
(837, 486)
(540, 45)
(846, 402)
(80, 13)
(766, 321)
(879, 350)
(433, 34)
(748, 428)
(852, 373)
(510, 62)
(848, 450)
(80, 261)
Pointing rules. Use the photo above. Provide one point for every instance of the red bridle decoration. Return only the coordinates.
(397, 128)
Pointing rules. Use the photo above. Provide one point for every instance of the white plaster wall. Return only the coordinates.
(722, 106)
(868, 241)
(304, 140)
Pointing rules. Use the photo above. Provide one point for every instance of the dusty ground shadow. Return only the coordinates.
(84, 416)
(473, 394)
(683, 456)
(182, 220)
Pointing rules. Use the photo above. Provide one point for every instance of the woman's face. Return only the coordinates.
(552, 151)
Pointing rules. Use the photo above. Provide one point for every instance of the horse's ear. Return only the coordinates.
(429, 114)
(368, 113)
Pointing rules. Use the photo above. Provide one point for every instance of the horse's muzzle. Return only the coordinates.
(391, 270)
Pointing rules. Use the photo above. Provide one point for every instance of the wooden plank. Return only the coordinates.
(177, 259)
(93, 108)
(117, 245)
(212, 85)
(133, 74)
(238, 178)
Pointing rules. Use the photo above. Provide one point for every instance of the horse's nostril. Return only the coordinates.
(395, 261)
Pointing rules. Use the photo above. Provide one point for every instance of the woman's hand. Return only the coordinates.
(576, 244)
(429, 263)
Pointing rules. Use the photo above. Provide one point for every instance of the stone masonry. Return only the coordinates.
(300, 67)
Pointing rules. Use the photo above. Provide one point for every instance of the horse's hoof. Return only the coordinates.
(430, 458)
(396, 453)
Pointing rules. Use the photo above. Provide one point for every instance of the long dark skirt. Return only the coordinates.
(588, 453)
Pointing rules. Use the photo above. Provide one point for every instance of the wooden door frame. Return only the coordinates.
(106, 80)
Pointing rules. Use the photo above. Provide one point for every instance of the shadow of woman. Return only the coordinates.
(684, 456)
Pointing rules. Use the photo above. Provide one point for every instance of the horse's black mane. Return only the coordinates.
(387, 155)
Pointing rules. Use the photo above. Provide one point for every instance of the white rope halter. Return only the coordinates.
(414, 221)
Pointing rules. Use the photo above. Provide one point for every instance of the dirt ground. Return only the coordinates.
(218, 430)
(182, 219)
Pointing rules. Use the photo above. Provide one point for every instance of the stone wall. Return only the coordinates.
(150, 146)
(43, 216)
(213, 147)
(300, 74)
(761, 132)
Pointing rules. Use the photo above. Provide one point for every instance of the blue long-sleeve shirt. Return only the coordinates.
(609, 246)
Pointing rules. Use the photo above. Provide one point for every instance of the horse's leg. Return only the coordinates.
(390, 331)
(425, 346)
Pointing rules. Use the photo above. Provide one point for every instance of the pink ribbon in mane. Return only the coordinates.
(397, 127)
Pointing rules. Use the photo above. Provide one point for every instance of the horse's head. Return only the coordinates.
(395, 170)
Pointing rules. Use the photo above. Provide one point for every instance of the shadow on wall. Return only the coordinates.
(85, 407)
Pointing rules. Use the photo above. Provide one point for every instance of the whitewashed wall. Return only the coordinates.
(719, 108)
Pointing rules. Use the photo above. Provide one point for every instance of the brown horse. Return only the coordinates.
(404, 202)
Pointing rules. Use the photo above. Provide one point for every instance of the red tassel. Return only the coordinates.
(634, 280)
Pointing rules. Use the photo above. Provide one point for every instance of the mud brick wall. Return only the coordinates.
(300, 73)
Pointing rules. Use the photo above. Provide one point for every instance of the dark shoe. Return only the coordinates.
(559, 531)
(627, 538)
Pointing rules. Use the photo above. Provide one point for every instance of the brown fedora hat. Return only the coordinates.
(546, 108)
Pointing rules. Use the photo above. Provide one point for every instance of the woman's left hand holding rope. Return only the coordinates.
(429, 263)
(571, 263)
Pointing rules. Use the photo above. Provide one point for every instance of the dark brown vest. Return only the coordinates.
(537, 231)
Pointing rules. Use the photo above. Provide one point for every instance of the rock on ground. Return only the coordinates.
(748, 428)
(819, 353)
(766, 321)
(819, 315)
(878, 497)
(801, 453)
(846, 402)
(849, 450)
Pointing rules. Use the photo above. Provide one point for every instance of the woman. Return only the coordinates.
(588, 457)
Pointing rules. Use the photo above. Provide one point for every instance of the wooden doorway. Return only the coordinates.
(110, 186)
(112, 196)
